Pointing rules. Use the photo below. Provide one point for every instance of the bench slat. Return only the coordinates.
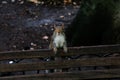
(92, 74)
(73, 51)
(108, 61)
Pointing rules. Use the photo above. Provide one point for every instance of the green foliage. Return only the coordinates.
(94, 23)
(117, 22)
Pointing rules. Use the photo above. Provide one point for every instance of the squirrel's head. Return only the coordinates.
(59, 29)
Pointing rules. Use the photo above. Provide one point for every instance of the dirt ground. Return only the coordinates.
(27, 26)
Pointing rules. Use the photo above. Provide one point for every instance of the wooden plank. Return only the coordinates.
(94, 49)
(60, 64)
(92, 74)
(72, 51)
(25, 54)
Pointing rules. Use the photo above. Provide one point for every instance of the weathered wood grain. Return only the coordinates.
(92, 74)
(72, 51)
(110, 61)
(63, 63)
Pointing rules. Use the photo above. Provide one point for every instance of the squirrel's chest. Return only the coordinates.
(59, 40)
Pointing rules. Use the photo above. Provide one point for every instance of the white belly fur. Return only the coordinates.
(59, 41)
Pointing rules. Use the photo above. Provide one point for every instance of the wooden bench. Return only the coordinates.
(104, 60)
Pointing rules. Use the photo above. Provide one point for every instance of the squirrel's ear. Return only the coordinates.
(54, 26)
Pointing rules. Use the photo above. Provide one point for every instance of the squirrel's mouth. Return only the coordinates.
(58, 33)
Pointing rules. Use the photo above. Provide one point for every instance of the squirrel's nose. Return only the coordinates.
(58, 33)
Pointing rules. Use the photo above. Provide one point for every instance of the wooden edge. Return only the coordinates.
(59, 64)
(92, 74)
(74, 51)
